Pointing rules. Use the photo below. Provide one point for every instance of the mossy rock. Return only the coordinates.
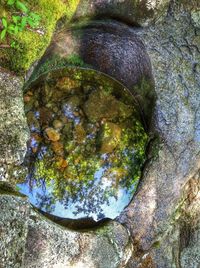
(32, 43)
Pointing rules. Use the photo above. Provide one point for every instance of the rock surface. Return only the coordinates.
(112, 48)
(163, 217)
(13, 126)
(173, 47)
(14, 212)
(49, 245)
(142, 12)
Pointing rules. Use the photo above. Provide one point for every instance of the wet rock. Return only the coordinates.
(45, 115)
(109, 137)
(57, 147)
(57, 124)
(66, 84)
(112, 48)
(101, 105)
(80, 133)
(74, 102)
(52, 134)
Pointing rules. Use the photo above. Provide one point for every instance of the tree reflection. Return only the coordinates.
(86, 148)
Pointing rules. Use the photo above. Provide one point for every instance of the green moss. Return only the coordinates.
(155, 146)
(76, 60)
(156, 244)
(32, 44)
(71, 8)
(104, 231)
(58, 62)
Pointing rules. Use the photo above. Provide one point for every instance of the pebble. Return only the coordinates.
(52, 134)
(57, 124)
(57, 147)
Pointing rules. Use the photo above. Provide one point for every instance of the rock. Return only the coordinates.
(14, 214)
(160, 228)
(103, 106)
(156, 225)
(13, 127)
(79, 133)
(195, 15)
(57, 124)
(190, 255)
(74, 102)
(58, 148)
(132, 11)
(46, 115)
(67, 84)
(110, 137)
(52, 134)
(114, 49)
(49, 245)
(30, 240)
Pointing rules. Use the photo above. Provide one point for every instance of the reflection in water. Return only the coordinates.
(86, 148)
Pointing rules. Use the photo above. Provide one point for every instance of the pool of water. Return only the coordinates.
(87, 145)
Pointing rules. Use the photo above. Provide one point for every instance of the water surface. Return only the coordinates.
(87, 145)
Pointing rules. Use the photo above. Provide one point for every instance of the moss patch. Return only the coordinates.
(32, 43)
(71, 7)
(57, 62)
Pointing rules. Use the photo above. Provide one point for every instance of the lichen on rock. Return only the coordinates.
(13, 128)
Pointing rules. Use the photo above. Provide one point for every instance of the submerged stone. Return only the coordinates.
(85, 158)
(110, 137)
(52, 134)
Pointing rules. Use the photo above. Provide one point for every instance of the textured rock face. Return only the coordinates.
(112, 48)
(173, 47)
(29, 240)
(13, 127)
(49, 245)
(14, 212)
(163, 218)
(190, 225)
(141, 12)
(107, 46)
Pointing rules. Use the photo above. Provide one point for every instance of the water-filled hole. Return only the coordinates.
(87, 144)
